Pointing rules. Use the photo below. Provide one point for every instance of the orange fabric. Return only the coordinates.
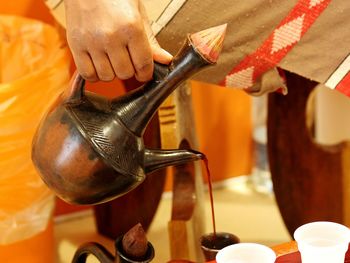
(32, 59)
(224, 129)
(38, 249)
(108, 89)
(30, 8)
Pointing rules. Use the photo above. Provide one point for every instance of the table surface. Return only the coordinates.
(288, 253)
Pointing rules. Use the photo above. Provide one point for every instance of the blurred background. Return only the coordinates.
(230, 126)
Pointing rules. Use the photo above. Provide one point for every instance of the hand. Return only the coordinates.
(112, 38)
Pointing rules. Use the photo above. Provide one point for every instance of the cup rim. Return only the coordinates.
(297, 233)
(233, 236)
(304, 243)
(269, 251)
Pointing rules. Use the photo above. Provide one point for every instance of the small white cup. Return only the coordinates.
(246, 253)
(322, 242)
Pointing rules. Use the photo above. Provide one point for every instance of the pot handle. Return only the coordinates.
(92, 248)
(75, 90)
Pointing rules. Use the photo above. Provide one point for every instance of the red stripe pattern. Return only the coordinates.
(287, 34)
(344, 85)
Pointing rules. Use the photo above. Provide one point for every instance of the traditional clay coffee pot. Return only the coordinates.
(89, 149)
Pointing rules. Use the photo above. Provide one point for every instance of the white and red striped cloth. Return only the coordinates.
(288, 33)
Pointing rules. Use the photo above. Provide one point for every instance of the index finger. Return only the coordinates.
(141, 55)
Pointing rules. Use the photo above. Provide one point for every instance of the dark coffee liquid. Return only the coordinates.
(211, 195)
(220, 241)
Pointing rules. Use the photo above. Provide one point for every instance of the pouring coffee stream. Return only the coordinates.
(89, 149)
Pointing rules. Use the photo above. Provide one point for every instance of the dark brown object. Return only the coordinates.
(104, 256)
(310, 180)
(117, 216)
(90, 150)
(211, 196)
(213, 242)
(134, 242)
(123, 257)
(92, 248)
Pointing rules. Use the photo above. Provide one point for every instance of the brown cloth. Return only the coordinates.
(319, 53)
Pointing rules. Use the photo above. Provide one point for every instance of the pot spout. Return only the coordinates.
(136, 108)
(157, 159)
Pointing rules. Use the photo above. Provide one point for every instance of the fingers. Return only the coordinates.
(161, 55)
(104, 47)
(103, 66)
(94, 67)
(85, 66)
(121, 63)
(112, 56)
(141, 55)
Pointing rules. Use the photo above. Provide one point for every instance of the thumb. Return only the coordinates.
(159, 54)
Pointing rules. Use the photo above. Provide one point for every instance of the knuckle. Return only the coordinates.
(125, 75)
(143, 79)
(100, 35)
(90, 36)
(144, 76)
(77, 35)
(145, 67)
(107, 36)
(106, 77)
(74, 42)
(131, 27)
(104, 70)
(89, 76)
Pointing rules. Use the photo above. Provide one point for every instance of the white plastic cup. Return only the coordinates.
(246, 253)
(322, 242)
